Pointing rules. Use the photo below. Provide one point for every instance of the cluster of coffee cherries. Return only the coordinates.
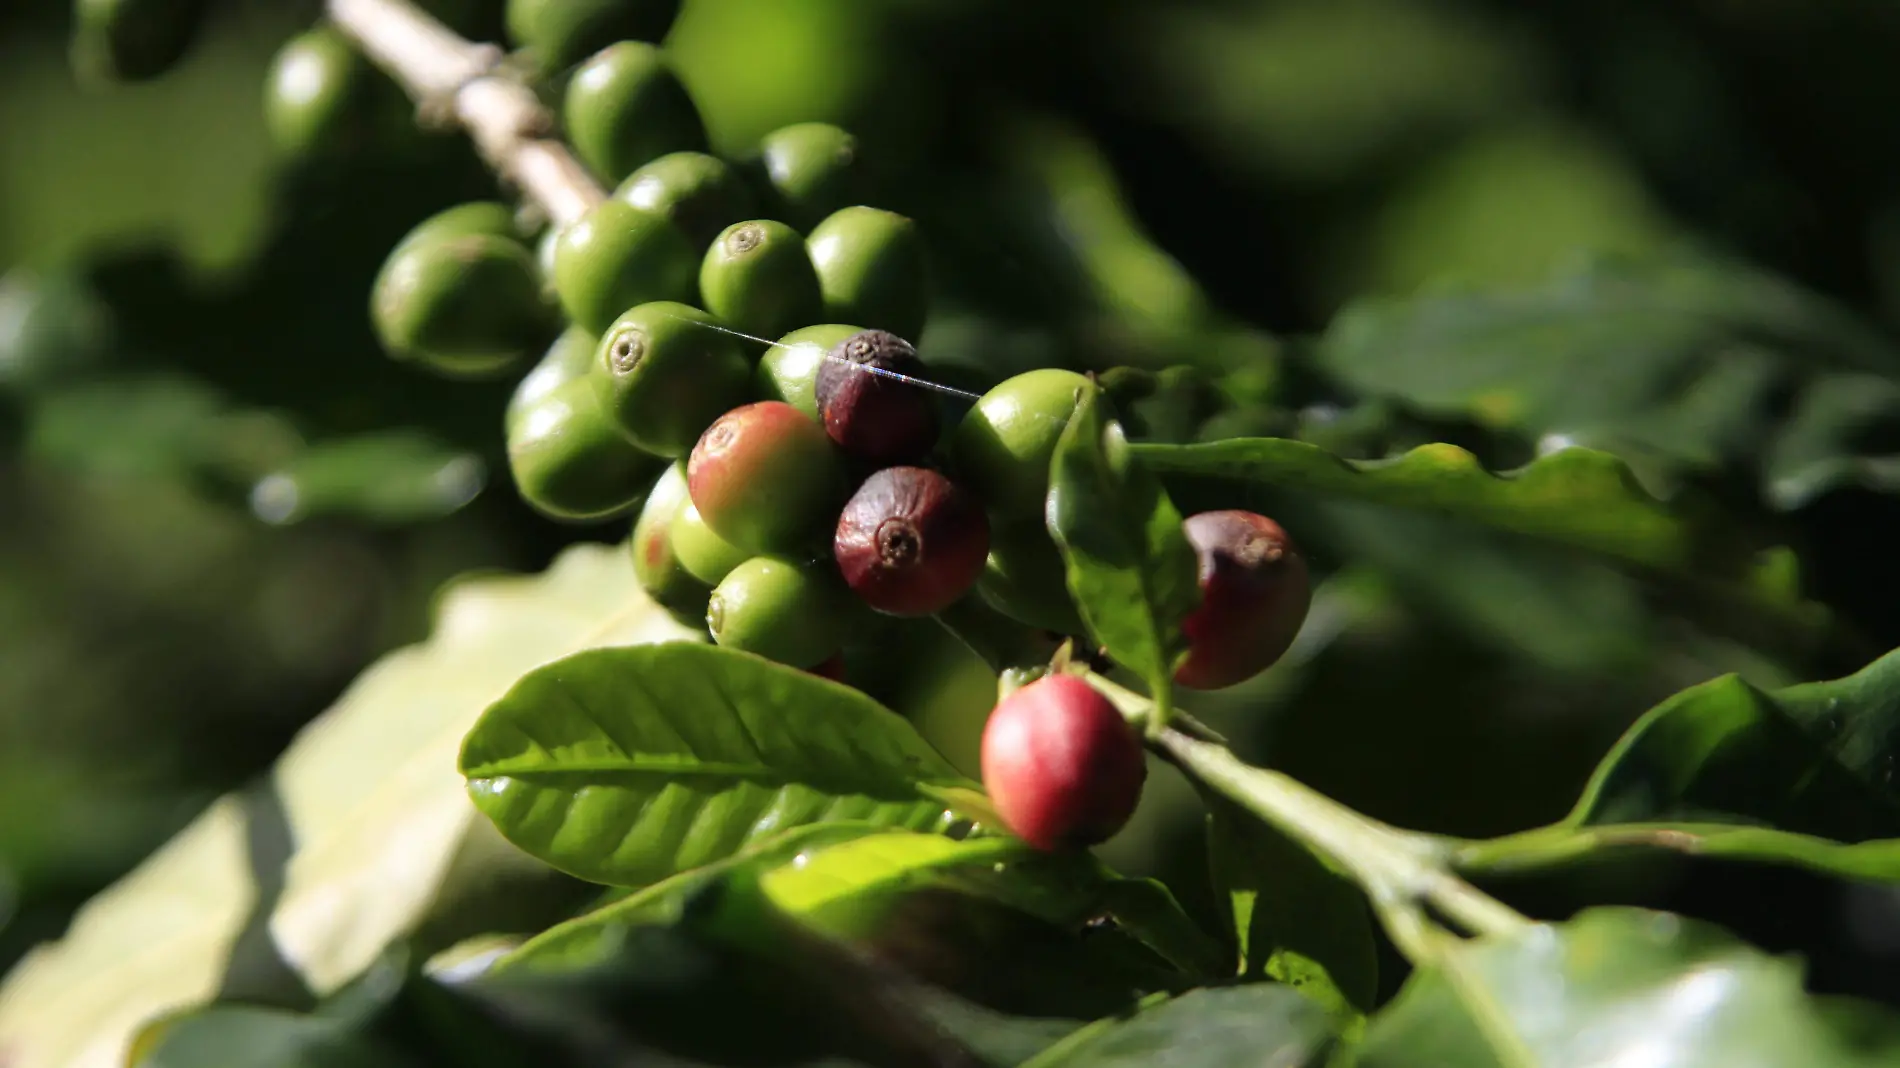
(731, 354)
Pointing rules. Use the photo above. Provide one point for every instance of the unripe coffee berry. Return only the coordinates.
(778, 609)
(767, 479)
(872, 398)
(812, 169)
(617, 256)
(870, 265)
(625, 107)
(1061, 765)
(1003, 447)
(757, 278)
(1026, 579)
(556, 34)
(910, 542)
(569, 462)
(704, 554)
(789, 369)
(655, 565)
(1254, 597)
(322, 98)
(466, 306)
(665, 371)
(701, 193)
(490, 217)
(566, 360)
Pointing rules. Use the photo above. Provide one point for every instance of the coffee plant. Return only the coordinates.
(704, 791)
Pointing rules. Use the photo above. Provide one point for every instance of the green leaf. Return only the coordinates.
(1839, 434)
(245, 1036)
(595, 935)
(1818, 758)
(1615, 986)
(1684, 359)
(1231, 1027)
(394, 477)
(1131, 569)
(1297, 920)
(1577, 497)
(363, 835)
(625, 766)
(1727, 770)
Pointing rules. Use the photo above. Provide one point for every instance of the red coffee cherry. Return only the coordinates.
(910, 541)
(765, 478)
(1062, 766)
(867, 408)
(1254, 596)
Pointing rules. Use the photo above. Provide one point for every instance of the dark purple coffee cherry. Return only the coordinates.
(872, 399)
(1254, 597)
(910, 542)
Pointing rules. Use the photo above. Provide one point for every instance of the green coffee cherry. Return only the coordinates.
(566, 360)
(53, 327)
(625, 107)
(490, 217)
(655, 565)
(664, 372)
(1025, 579)
(1003, 447)
(780, 610)
(568, 460)
(701, 193)
(466, 306)
(757, 277)
(788, 371)
(870, 265)
(133, 40)
(617, 256)
(322, 98)
(768, 480)
(705, 555)
(812, 170)
(556, 34)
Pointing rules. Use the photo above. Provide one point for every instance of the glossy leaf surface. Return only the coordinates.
(626, 766)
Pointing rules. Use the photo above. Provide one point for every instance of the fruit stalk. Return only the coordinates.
(1399, 870)
(507, 123)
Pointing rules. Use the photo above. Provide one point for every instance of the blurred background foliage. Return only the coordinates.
(1366, 223)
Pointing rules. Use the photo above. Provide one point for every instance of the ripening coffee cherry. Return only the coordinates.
(625, 107)
(617, 256)
(133, 40)
(1254, 597)
(323, 98)
(556, 34)
(774, 607)
(812, 170)
(767, 479)
(910, 542)
(789, 369)
(1026, 579)
(701, 193)
(757, 277)
(664, 373)
(1004, 445)
(870, 265)
(568, 460)
(466, 306)
(1061, 765)
(832, 669)
(655, 565)
(566, 360)
(705, 555)
(872, 401)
